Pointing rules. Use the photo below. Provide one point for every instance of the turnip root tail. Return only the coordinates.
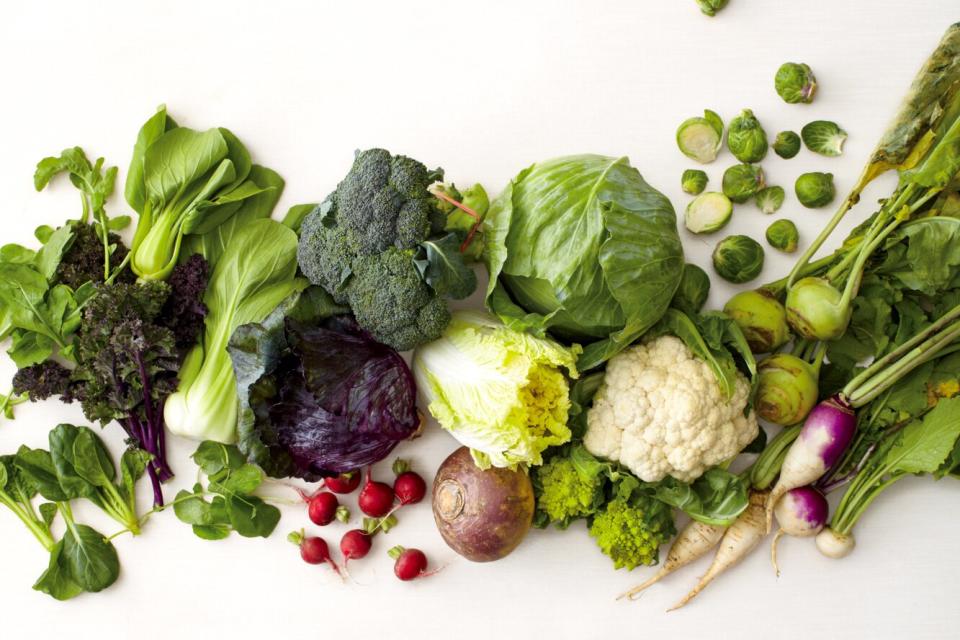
(772, 501)
(740, 539)
(773, 551)
(693, 543)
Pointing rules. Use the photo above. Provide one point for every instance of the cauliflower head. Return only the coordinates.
(660, 412)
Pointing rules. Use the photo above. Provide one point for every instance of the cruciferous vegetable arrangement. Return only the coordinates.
(593, 386)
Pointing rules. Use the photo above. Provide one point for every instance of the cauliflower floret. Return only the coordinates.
(660, 412)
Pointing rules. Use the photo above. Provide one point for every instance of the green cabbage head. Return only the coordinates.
(582, 247)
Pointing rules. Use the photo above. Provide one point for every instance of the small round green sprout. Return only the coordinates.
(746, 139)
(815, 189)
(700, 138)
(762, 319)
(787, 144)
(783, 235)
(692, 293)
(742, 181)
(815, 309)
(738, 259)
(694, 181)
(770, 199)
(710, 7)
(824, 137)
(708, 212)
(795, 83)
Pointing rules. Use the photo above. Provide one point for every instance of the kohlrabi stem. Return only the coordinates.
(889, 377)
(804, 260)
(818, 356)
(777, 287)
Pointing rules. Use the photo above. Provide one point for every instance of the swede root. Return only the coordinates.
(693, 543)
(740, 539)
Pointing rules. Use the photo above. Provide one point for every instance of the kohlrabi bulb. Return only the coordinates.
(795, 82)
(787, 144)
(761, 318)
(815, 189)
(814, 309)
(783, 235)
(746, 139)
(738, 259)
(743, 181)
(786, 389)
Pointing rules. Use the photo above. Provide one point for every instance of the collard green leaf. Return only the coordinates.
(442, 267)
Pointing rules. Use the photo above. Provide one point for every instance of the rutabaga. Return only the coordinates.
(256, 271)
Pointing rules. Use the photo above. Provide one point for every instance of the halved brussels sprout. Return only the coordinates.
(742, 181)
(738, 259)
(710, 7)
(692, 293)
(694, 181)
(783, 235)
(814, 309)
(700, 138)
(795, 82)
(708, 212)
(746, 139)
(787, 144)
(770, 199)
(815, 189)
(762, 319)
(824, 137)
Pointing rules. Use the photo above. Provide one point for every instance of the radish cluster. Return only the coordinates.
(379, 502)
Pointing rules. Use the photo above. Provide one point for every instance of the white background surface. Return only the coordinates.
(483, 89)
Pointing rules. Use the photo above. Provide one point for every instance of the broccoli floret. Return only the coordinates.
(631, 532)
(360, 245)
(565, 495)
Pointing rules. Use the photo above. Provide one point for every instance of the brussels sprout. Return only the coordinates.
(710, 7)
(824, 137)
(738, 259)
(787, 144)
(700, 138)
(708, 212)
(692, 293)
(746, 139)
(770, 199)
(694, 181)
(742, 181)
(787, 389)
(815, 189)
(814, 309)
(783, 235)
(762, 319)
(795, 82)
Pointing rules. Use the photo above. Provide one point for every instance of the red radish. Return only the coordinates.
(409, 487)
(824, 437)
(355, 544)
(376, 498)
(346, 482)
(322, 508)
(313, 550)
(801, 512)
(692, 543)
(410, 563)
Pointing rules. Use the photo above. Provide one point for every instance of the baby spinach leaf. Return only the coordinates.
(37, 466)
(57, 581)
(91, 559)
(91, 459)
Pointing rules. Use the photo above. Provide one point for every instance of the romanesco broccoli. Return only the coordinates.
(631, 532)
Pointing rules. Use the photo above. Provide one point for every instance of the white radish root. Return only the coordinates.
(773, 551)
(696, 539)
(740, 539)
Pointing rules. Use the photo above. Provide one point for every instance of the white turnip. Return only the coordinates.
(835, 545)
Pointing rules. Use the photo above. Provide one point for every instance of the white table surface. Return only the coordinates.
(483, 89)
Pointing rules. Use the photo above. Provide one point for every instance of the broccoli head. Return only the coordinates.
(631, 531)
(374, 244)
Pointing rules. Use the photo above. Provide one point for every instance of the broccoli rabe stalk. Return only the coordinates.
(380, 243)
(631, 531)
